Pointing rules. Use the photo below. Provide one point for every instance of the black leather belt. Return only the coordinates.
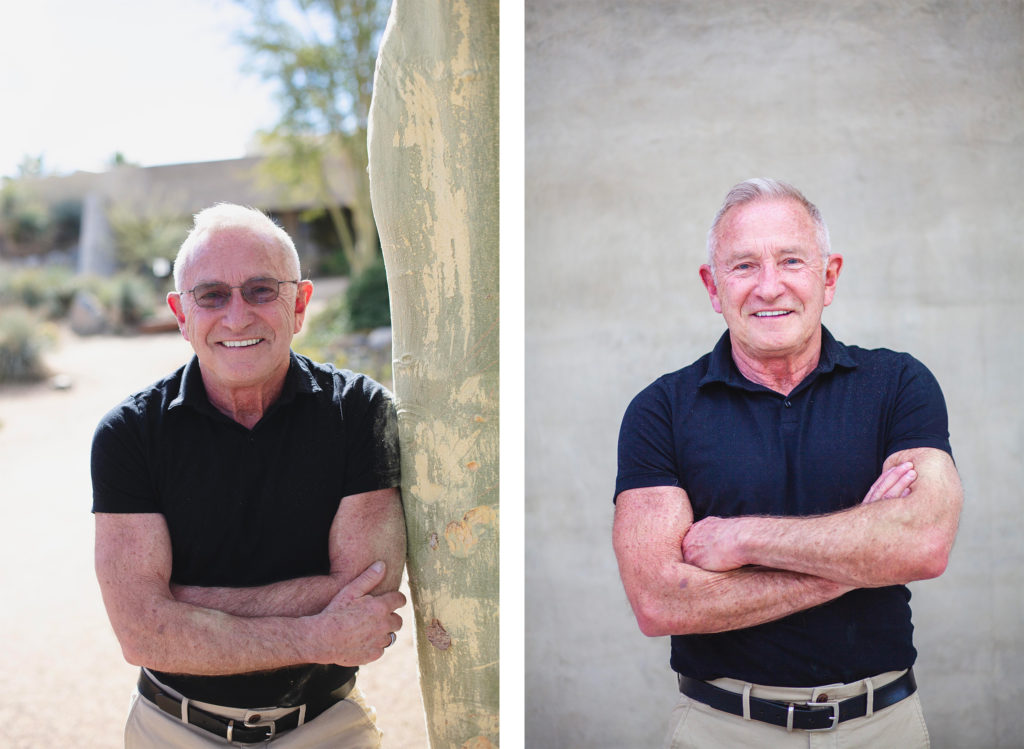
(252, 730)
(812, 716)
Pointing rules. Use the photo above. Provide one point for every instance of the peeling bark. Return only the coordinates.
(433, 141)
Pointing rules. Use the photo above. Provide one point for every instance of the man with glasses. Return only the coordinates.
(774, 498)
(249, 531)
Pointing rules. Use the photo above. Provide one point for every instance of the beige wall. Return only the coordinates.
(903, 122)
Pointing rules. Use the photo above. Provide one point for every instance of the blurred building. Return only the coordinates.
(173, 193)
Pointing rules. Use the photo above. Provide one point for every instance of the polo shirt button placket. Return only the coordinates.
(789, 416)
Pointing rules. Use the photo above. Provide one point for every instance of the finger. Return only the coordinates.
(902, 486)
(366, 581)
(393, 600)
(884, 483)
(890, 478)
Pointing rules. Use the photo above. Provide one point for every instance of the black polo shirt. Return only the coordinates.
(247, 507)
(738, 448)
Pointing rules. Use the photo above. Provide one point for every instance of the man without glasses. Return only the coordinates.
(774, 498)
(249, 532)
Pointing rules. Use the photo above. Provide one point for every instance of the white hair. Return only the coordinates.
(227, 216)
(761, 188)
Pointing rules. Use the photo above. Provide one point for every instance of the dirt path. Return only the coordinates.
(63, 681)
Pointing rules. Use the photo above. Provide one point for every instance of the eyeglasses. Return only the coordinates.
(254, 291)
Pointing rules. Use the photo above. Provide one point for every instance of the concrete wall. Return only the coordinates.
(903, 122)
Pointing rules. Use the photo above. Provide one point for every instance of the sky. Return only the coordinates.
(160, 82)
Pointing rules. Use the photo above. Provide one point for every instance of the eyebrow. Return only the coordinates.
(259, 277)
(744, 255)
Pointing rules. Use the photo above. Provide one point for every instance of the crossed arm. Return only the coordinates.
(721, 574)
(342, 618)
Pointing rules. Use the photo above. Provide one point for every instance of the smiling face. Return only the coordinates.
(771, 283)
(240, 346)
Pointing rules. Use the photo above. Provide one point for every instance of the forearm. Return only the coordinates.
(670, 596)
(902, 531)
(133, 563)
(167, 635)
(157, 631)
(871, 545)
(688, 600)
(289, 598)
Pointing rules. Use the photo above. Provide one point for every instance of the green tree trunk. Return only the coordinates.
(433, 141)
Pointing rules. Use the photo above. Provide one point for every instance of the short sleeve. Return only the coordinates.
(121, 479)
(919, 417)
(646, 454)
(372, 431)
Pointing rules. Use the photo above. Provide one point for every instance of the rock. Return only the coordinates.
(87, 316)
(61, 382)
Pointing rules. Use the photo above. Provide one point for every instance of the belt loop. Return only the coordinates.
(871, 697)
(746, 701)
(184, 710)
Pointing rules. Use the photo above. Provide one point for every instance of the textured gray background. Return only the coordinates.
(904, 123)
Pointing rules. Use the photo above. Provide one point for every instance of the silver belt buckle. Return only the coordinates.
(834, 717)
(254, 719)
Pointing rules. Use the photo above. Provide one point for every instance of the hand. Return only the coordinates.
(894, 483)
(713, 545)
(353, 629)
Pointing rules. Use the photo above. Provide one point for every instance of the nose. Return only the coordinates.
(769, 282)
(237, 311)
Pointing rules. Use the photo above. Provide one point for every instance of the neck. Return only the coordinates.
(780, 373)
(246, 404)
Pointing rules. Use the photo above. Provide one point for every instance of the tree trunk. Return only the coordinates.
(433, 140)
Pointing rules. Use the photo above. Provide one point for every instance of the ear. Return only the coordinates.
(174, 302)
(303, 294)
(708, 279)
(832, 268)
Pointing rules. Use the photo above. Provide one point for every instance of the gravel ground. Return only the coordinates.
(63, 681)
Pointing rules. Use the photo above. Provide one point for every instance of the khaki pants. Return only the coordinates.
(348, 725)
(697, 726)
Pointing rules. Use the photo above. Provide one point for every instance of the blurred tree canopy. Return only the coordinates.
(31, 226)
(147, 237)
(321, 54)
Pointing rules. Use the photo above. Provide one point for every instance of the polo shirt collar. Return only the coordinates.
(192, 392)
(722, 368)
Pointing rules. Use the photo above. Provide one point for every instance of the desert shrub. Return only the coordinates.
(324, 333)
(128, 298)
(46, 289)
(328, 337)
(367, 299)
(23, 338)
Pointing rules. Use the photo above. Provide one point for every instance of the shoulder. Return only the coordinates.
(878, 356)
(344, 388)
(144, 405)
(886, 365)
(674, 389)
(907, 392)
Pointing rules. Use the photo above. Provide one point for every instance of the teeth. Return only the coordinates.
(241, 344)
(777, 313)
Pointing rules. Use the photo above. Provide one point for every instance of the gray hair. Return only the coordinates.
(761, 188)
(227, 216)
